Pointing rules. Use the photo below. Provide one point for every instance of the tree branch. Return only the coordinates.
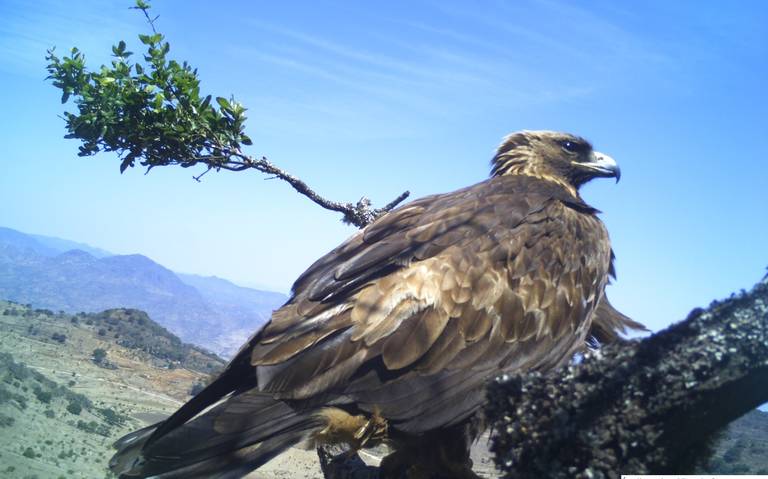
(359, 214)
(642, 407)
(336, 463)
(153, 113)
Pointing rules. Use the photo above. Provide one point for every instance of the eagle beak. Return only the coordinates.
(603, 165)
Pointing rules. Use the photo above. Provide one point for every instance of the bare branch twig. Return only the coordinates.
(359, 214)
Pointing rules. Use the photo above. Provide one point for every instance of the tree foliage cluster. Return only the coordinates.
(153, 113)
(150, 112)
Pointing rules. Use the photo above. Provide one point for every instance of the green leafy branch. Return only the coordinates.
(152, 113)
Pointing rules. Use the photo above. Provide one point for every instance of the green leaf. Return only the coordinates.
(125, 164)
(205, 103)
(150, 39)
(223, 103)
(119, 49)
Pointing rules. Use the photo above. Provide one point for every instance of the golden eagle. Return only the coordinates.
(393, 335)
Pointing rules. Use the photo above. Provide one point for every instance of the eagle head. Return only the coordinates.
(560, 157)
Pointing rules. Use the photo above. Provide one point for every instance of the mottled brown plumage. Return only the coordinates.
(408, 319)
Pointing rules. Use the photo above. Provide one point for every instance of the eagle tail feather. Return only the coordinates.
(228, 440)
(609, 325)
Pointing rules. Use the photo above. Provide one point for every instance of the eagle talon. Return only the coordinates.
(356, 431)
(373, 431)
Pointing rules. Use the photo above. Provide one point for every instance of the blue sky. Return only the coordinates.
(362, 98)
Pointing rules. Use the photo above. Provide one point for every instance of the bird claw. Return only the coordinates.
(372, 432)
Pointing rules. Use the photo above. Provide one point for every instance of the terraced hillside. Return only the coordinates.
(61, 406)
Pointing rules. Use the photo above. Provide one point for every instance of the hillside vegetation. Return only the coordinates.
(742, 448)
(63, 403)
(129, 328)
(48, 430)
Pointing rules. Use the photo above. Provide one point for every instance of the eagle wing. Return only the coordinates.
(408, 319)
(439, 294)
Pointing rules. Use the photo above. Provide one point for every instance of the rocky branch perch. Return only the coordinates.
(638, 407)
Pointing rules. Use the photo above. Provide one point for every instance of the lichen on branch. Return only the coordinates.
(638, 407)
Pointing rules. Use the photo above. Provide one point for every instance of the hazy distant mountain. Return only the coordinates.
(62, 245)
(237, 306)
(46, 245)
(210, 312)
(22, 241)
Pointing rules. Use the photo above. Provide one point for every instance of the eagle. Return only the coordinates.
(392, 336)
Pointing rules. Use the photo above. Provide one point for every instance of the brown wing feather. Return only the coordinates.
(486, 260)
(437, 296)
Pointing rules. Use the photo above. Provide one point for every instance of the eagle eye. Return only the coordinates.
(569, 146)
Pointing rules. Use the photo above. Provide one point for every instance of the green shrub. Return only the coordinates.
(196, 388)
(6, 421)
(60, 338)
(67, 454)
(94, 428)
(43, 396)
(5, 395)
(29, 452)
(74, 408)
(112, 417)
(99, 355)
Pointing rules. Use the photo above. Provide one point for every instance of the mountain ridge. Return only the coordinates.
(208, 311)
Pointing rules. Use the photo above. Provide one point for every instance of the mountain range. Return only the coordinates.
(63, 275)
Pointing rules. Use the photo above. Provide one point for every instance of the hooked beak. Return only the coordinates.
(603, 165)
